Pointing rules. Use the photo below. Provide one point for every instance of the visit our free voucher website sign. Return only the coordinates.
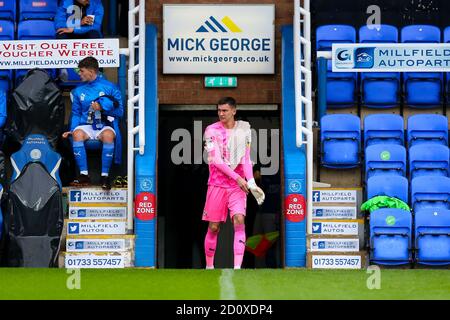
(54, 54)
(218, 39)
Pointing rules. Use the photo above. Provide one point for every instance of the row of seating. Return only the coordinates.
(340, 137)
(28, 9)
(383, 89)
(425, 159)
(427, 192)
(27, 30)
(421, 128)
(397, 238)
(428, 152)
(35, 21)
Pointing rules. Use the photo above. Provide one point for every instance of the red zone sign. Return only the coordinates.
(144, 206)
(295, 207)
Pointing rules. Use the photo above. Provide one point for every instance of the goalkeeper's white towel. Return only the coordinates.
(239, 138)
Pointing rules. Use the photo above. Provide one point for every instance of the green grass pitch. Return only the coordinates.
(259, 284)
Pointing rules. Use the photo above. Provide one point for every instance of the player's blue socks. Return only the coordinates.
(107, 157)
(79, 152)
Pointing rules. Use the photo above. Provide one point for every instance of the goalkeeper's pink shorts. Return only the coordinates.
(219, 200)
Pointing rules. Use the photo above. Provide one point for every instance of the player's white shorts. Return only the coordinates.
(93, 134)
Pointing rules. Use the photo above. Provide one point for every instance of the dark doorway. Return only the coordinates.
(182, 186)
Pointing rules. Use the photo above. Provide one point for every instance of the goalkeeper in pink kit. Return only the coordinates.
(230, 179)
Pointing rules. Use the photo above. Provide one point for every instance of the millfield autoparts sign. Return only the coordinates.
(410, 57)
(219, 39)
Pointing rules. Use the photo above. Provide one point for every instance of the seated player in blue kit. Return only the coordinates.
(79, 19)
(96, 109)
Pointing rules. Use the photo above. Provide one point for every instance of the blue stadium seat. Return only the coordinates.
(385, 159)
(426, 128)
(383, 128)
(8, 10)
(430, 192)
(341, 86)
(35, 30)
(90, 145)
(37, 9)
(6, 34)
(6, 30)
(422, 89)
(73, 78)
(380, 89)
(390, 236)
(432, 234)
(93, 145)
(428, 159)
(388, 185)
(341, 140)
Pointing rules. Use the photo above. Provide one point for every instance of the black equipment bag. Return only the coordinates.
(34, 219)
(36, 107)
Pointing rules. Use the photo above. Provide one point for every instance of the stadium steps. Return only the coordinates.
(337, 241)
(94, 234)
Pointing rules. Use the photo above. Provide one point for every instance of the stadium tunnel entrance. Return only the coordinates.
(182, 185)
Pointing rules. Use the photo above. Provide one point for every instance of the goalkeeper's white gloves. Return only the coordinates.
(256, 191)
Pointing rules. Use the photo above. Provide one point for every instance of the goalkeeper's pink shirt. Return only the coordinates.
(220, 173)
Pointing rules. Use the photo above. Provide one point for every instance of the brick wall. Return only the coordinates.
(252, 89)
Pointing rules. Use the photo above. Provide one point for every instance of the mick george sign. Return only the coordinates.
(410, 57)
(54, 54)
(218, 39)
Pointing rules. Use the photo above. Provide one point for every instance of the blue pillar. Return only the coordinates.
(146, 188)
(294, 161)
(322, 70)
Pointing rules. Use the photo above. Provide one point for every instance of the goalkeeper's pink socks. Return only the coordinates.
(239, 244)
(210, 248)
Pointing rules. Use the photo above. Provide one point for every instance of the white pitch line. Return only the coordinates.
(226, 285)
